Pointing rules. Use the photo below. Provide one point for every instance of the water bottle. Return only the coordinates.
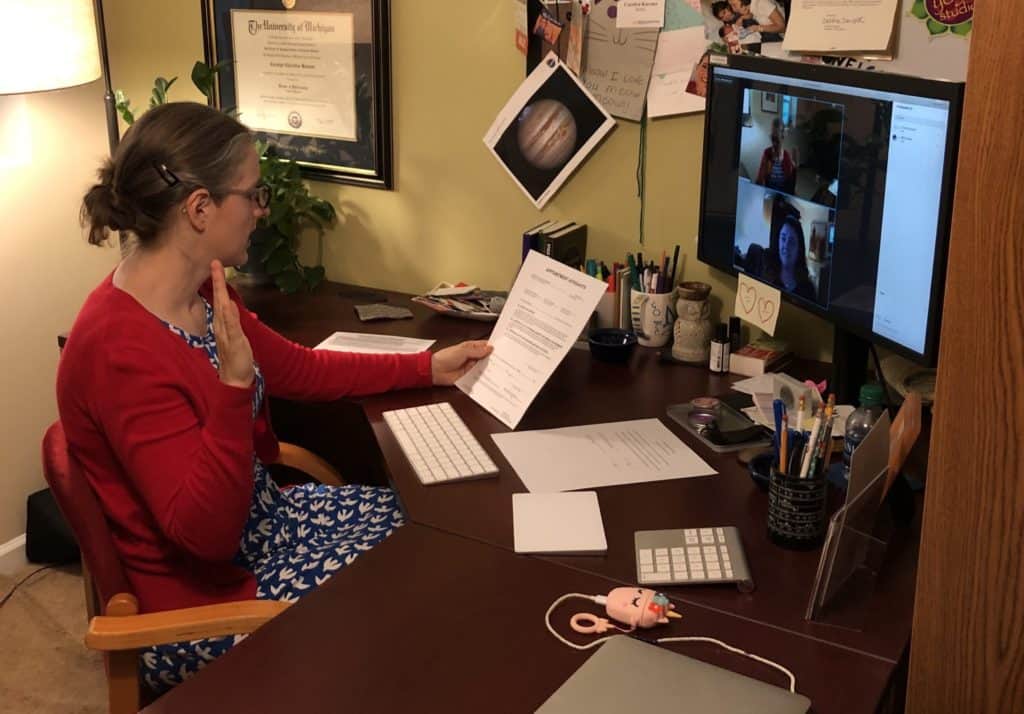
(859, 423)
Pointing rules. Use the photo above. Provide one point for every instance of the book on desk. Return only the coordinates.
(564, 241)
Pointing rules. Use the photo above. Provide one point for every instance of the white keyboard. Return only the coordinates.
(438, 444)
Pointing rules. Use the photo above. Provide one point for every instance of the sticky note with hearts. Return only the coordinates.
(757, 303)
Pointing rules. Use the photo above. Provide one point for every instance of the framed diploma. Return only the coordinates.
(312, 78)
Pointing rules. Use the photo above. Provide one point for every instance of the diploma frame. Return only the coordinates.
(365, 161)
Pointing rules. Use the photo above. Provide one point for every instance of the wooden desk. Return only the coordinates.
(586, 391)
(429, 621)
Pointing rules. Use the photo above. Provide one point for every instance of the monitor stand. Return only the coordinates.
(849, 366)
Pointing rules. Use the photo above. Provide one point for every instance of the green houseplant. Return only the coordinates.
(273, 248)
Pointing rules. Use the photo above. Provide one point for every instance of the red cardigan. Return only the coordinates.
(168, 448)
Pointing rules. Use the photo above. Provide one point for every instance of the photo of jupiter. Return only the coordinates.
(546, 133)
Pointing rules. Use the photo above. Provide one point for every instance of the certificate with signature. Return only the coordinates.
(295, 72)
(848, 27)
(546, 310)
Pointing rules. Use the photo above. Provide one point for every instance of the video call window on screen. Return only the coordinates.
(788, 181)
(833, 185)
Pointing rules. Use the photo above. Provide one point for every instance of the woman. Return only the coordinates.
(162, 386)
(770, 21)
(777, 169)
(786, 265)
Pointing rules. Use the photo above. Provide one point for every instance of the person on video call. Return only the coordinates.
(777, 169)
(162, 390)
(786, 266)
(767, 15)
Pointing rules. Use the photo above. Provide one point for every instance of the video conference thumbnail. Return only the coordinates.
(791, 144)
(784, 241)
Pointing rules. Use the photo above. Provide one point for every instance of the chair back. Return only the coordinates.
(77, 501)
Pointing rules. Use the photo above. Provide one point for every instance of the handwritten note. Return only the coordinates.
(678, 51)
(618, 63)
(757, 304)
(842, 26)
(640, 13)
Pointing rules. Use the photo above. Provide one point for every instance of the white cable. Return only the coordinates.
(737, 650)
(601, 600)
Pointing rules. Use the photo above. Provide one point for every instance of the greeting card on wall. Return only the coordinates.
(546, 130)
(617, 62)
(681, 48)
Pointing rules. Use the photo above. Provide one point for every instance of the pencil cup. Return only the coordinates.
(652, 317)
(797, 513)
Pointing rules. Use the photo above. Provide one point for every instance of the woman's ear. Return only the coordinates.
(197, 208)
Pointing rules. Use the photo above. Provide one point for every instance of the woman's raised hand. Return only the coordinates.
(233, 349)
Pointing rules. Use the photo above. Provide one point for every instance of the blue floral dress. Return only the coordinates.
(294, 540)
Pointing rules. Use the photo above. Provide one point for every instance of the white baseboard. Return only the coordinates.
(12, 556)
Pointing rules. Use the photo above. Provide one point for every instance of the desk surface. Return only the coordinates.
(586, 391)
(429, 621)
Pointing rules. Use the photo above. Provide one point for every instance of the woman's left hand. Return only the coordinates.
(447, 365)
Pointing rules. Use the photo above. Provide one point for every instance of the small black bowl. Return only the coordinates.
(611, 344)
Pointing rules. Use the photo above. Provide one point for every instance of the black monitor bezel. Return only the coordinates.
(880, 81)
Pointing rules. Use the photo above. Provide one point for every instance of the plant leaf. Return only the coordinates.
(963, 29)
(918, 10)
(288, 281)
(936, 28)
(314, 276)
(280, 260)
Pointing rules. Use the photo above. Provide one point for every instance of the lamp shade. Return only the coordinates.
(47, 44)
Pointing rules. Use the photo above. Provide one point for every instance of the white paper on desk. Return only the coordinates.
(761, 384)
(678, 51)
(597, 455)
(364, 343)
(838, 26)
(640, 13)
(545, 312)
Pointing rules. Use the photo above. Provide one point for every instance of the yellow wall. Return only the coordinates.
(455, 214)
(50, 146)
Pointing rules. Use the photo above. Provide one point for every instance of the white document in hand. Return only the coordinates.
(598, 455)
(544, 314)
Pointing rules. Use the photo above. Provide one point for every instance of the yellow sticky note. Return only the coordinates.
(757, 304)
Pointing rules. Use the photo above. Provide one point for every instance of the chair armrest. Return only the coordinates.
(109, 633)
(309, 463)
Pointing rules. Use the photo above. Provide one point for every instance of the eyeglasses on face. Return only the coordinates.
(260, 195)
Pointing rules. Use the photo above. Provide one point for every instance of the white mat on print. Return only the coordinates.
(546, 129)
(678, 52)
(599, 455)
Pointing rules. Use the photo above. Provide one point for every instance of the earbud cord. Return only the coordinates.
(661, 640)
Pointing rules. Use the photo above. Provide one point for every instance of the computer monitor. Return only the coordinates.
(834, 185)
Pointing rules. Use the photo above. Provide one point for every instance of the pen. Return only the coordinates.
(777, 409)
(783, 442)
(800, 413)
(811, 443)
(675, 264)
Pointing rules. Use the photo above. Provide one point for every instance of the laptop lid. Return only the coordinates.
(628, 675)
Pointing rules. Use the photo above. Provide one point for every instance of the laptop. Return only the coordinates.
(629, 675)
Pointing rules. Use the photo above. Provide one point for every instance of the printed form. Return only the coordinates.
(546, 310)
(598, 455)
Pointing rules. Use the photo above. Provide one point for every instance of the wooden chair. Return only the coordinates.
(115, 626)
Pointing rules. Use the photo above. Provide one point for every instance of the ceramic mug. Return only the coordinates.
(652, 316)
